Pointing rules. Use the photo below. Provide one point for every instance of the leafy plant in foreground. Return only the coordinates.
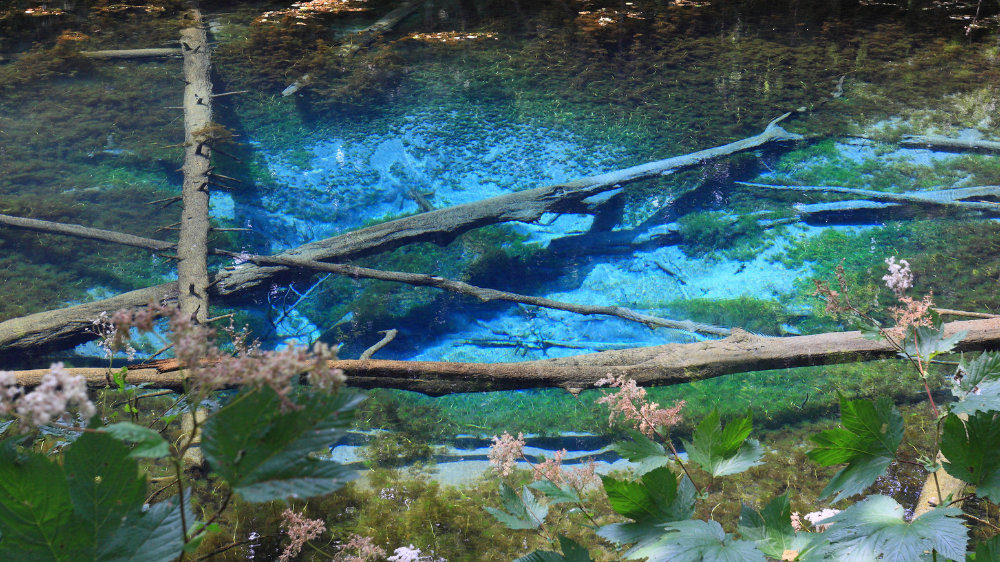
(89, 503)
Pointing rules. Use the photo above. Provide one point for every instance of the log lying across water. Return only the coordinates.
(649, 366)
(65, 327)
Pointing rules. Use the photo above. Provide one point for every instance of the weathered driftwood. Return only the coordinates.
(360, 39)
(389, 336)
(947, 143)
(64, 327)
(133, 53)
(192, 243)
(649, 366)
(944, 197)
(486, 295)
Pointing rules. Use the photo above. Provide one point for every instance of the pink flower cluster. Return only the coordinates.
(210, 369)
(505, 452)
(631, 404)
(900, 278)
(359, 549)
(300, 530)
(577, 478)
(57, 391)
(912, 313)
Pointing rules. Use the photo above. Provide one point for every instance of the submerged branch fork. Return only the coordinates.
(486, 295)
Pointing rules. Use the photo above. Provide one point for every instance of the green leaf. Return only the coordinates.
(929, 342)
(104, 483)
(724, 451)
(867, 442)
(642, 450)
(153, 536)
(266, 454)
(572, 551)
(875, 529)
(148, 443)
(985, 397)
(988, 551)
(525, 511)
(771, 528)
(973, 450)
(696, 541)
(671, 502)
(556, 494)
(36, 512)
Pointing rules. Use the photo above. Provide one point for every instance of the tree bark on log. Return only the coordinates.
(944, 197)
(133, 53)
(192, 244)
(649, 366)
(66, 327)
(948, 143)
(88, 233)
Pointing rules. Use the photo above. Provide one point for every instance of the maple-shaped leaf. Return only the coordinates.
(724, 451)
(875, 530)
(867, 442)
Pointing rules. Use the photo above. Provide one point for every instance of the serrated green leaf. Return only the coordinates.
(985, 397)
(525, 512)
(629, 499)
(36, 512)
(647, 528)
(148, 443)
(854, 478)
(151, 536)
(104, 484)
(696, 541)
(867, 442)
(875, 530)
(972, 448)
(929, 342)
(648, 454)
(771, 528)
(556, 494)
(721, 452)
(572, 551)
(984, 368)
(266, 454)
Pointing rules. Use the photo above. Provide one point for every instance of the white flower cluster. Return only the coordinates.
(411, 554)
(900, 278)
(57, 391)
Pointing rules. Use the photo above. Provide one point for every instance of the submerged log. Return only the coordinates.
(942, 142)
(133, 53)
(649, 366)
(944, 197)
(66, 326)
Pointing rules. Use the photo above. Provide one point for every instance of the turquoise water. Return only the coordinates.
(462, 103)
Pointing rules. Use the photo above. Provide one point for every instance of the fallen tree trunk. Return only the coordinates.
(944, 197)
(486, 295)
(87, 233)
(948, 143)
(192, 243)
(133, 53)
(65, 327)
(649, 366)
